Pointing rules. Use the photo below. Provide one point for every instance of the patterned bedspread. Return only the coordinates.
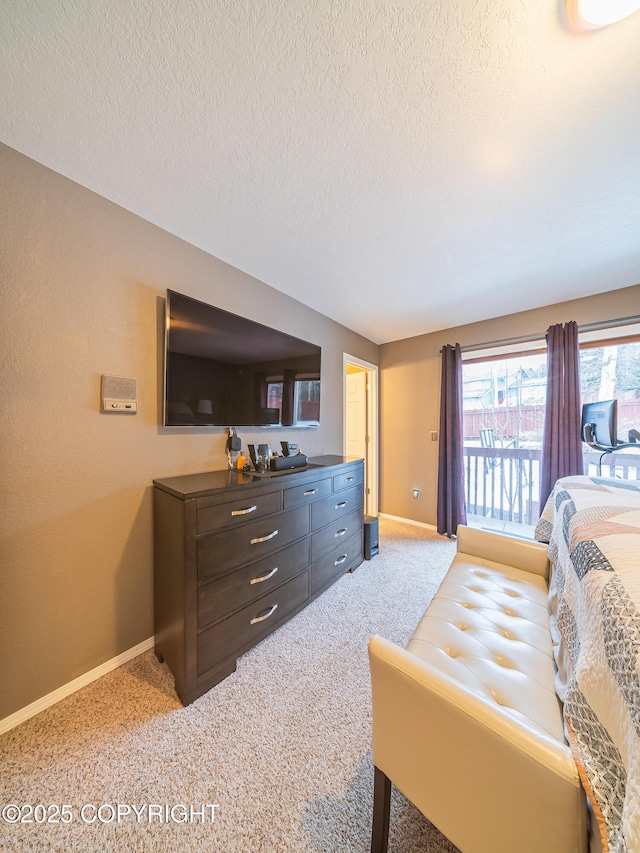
(593, 529)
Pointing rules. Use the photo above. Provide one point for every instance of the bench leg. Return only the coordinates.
(381, 811)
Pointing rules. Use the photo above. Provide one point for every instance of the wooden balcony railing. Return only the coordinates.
(504, 483)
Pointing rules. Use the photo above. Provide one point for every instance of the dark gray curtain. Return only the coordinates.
(288, 397)
(561, 439)
(260, 396)
(451, 504)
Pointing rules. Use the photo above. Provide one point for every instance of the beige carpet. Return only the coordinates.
(282, 746)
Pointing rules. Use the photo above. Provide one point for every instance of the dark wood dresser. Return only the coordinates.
(236, 555)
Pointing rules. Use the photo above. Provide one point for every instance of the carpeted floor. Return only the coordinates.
(281, 747)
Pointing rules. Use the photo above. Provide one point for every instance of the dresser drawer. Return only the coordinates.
(221, 552)
(235, 590)
(334, 534)
(250, 624)
(336, 563)
(335, 506)
(215, 517)
(297, 495)
(349, 478)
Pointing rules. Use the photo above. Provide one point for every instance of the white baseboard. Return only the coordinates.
(407, 521)
(50, 699)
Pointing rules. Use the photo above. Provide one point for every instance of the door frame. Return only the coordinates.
(372, 467)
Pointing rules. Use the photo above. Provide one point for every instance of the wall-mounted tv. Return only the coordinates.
(222, 369)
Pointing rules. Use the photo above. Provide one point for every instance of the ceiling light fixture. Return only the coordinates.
(592, 14)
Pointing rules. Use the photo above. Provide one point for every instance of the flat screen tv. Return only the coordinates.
(600, 423)
(222, 369)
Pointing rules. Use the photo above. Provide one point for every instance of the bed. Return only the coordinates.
(592, 526)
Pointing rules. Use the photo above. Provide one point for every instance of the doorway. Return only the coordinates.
(360, 414)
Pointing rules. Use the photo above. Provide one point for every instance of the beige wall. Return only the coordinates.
(410, 392)
(82, 286)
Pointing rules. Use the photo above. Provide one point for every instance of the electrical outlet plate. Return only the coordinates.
(129, 407)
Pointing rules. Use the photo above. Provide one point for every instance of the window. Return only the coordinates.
(503, 419)
(611, 370)
(504, 395)
(306, 401)
(274, 396)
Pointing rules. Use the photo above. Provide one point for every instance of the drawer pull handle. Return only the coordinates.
(341, 505)
(244, 511)
(349, 480)
(340, 560)
(265, 577)
(266, 615)
(341, 532)
(264, 538)
(309, 492)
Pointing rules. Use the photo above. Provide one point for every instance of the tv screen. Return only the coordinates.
(225, 370)
(600, 423)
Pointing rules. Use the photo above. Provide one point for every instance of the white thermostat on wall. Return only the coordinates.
(118, 395)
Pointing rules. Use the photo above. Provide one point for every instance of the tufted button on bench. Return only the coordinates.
(466, 721)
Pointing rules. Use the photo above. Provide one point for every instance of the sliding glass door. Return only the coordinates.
(503, 400)
(503, 417)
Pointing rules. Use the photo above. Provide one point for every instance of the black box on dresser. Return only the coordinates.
(236, 555)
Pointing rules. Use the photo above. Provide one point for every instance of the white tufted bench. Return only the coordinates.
(466, 721)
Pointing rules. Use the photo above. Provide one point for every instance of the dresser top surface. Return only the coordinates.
(187, 486)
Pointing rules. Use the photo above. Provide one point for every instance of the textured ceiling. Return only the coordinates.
(400, 167)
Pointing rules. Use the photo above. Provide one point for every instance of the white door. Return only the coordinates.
(356, 417)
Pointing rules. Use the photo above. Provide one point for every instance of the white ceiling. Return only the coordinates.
(401, 167)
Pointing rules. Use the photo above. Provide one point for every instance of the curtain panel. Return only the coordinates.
(561, 439)
(288, 397)
(451, 509)
(260, 389)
